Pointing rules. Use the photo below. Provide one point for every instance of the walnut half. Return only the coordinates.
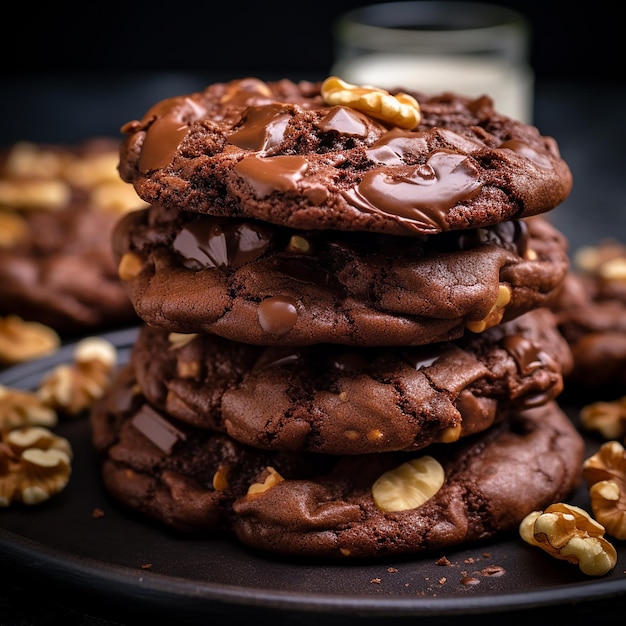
(21, 340)
(607, 418)
(569, 533)
(23, 408)
(409, 485)
(71, 389)
(35, 464)
(402, 109)
(605, 473)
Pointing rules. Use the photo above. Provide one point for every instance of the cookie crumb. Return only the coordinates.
(443, 561)
(493, 570)
(375, 581)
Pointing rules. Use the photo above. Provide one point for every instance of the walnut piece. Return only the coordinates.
(178, 340)
(402, 109)
(270, 478)
(409, 485)
(23, 408)
(605, 473)
(299, 245)
(35, 464)
(71, 389)
(496, 312)
(569, 533)
(130, 266)
(220, 478)
(607, 418)
(21, 340)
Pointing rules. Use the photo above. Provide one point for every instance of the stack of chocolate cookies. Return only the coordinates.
(347, 348)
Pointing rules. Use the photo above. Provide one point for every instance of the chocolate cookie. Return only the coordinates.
(342, 400)
(182, 477)
(197, 481)
(487, 484)
(258, 283)
(58, 206)
(591, 314)
(337, 156)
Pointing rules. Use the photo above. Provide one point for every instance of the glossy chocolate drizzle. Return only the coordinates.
(408, 182)
(422, 194)
(171, 120)
(209, 242)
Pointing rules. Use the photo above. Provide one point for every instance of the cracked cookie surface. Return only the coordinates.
(258, 283)
(197, 481)
(278, 152)
(344, 400)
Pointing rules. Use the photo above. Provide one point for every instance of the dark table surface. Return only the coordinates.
(588, 122)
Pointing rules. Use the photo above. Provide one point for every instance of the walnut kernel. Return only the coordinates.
(605, 473)
(21, 340)
(409, 485)
(130, 266)
(496, 312)
(402, 109)
(299, 245)
(220, 478)
(178, 340)
(96, 349)
(23, 408)
(270, 478)
(35, 464)
(569, 533)
(607, 418)
(70, 389)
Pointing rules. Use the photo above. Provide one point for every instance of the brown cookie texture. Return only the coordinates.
(181, 477)
(199, 482)
(278, 152)
(336, 399)
(267, 285)
(58, 208)
(590, 309)
(491, 482)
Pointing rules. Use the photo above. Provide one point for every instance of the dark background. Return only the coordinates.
(276, 36)
(72, 72)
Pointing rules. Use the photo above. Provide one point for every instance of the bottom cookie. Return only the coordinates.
(304, 504)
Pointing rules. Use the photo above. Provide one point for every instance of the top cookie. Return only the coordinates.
(336, 156)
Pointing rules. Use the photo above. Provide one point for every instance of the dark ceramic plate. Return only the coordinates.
(123, 560)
